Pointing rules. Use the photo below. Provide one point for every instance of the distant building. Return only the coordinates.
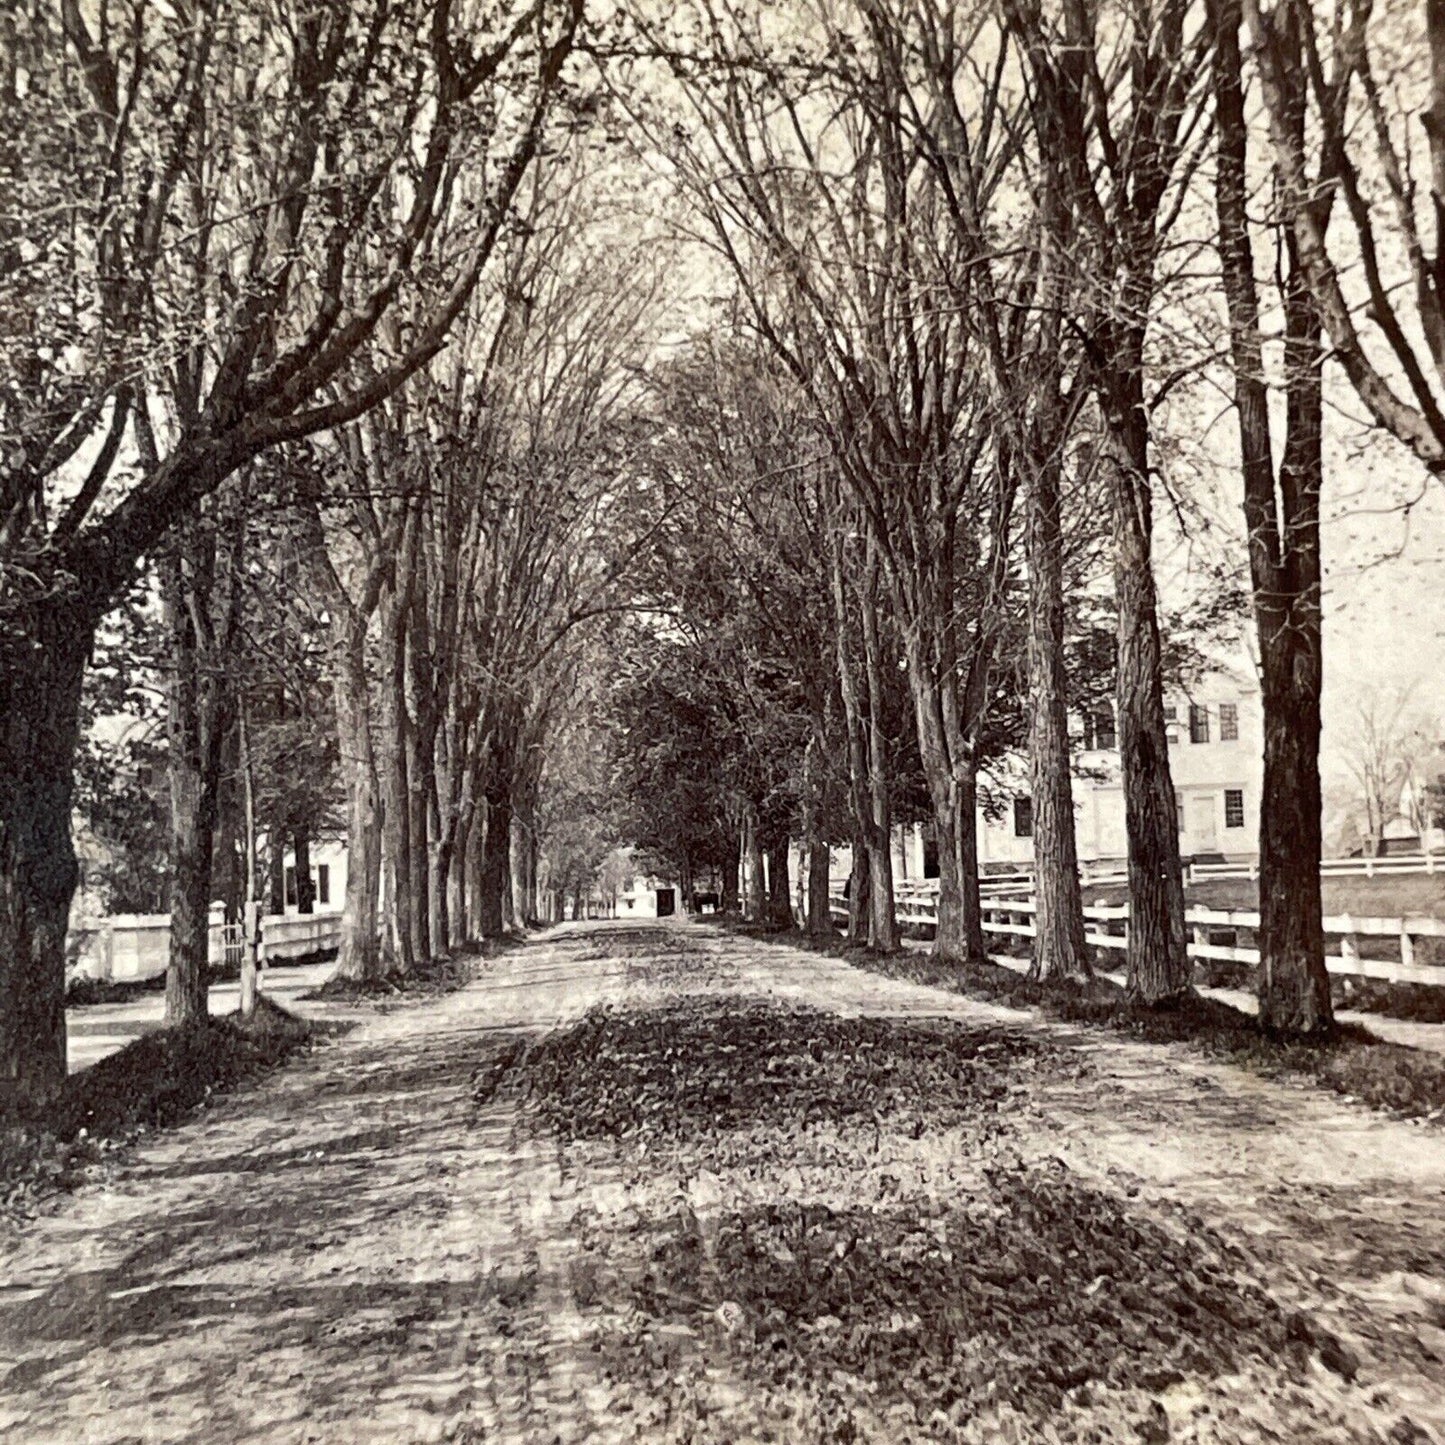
(327, 857)
(1215, 733)
(648, 897)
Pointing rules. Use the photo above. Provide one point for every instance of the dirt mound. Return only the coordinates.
(706, 1066)
(1036, 1288)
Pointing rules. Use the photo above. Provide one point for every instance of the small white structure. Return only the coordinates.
(648, 897)
(327, 857)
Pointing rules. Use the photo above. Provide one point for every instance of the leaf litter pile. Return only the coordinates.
(868, 1308)
(717, 1065)
(1036, 1288)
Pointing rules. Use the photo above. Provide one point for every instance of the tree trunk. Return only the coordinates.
(1294, 986)
(396, 869)
(1158, 966)
(958, 934)
(1059, 948)
(359, 958)
(42, 664)
(513, 883)
(228, 871)
(517, 865)
(860, 892)
(422, 787)
(861, 795)
(952, 779)
(1284, 554)
(276, 867)
(780, 891)
(196, 723)
(820, 907)
(882, 910)
(439, 852)
(729, 901)
(755, 904)
(395, 783)
(476, 871)
(818, 917)
(495, 876)
(458, 865)
(193, 772)
(305, 892)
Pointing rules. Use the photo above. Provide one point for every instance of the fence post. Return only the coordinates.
(1349, 945)
(107, 949)
(1407, 944)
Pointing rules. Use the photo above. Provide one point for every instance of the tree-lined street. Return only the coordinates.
(794, 469)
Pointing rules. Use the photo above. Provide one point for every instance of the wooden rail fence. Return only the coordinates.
(1013, 917)
(136, 946)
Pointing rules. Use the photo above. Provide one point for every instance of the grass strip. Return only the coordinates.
(1351, 1061)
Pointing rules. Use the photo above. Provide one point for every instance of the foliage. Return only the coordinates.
(122, 802)
(579, 816)
(123, 807)
(675, 748)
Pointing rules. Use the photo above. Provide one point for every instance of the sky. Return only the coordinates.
(1383, 540)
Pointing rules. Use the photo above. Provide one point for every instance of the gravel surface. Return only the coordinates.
(931, 1219)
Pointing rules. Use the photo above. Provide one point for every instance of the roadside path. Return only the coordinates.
(94, 1030)
(1408, 1032)
(356, 1251)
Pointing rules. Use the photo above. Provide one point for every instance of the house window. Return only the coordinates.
(1228, 722)
(930, 857)
(291, 888)
(1234, 807)
(1023, 817)
(323, 883)
(1179, 811)
(1171, 723)
(1198, 723)
(1099, 730)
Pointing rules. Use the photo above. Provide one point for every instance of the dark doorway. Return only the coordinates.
(666, 902)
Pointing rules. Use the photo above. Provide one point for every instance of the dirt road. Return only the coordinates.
(364, 1248)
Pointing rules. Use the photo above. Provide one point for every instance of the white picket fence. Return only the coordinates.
(136, 945)
(917, 903)
(1329, 867)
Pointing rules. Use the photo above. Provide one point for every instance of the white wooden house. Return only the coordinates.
(1215, 734)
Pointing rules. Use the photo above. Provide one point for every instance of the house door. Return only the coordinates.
(1203, 832)
(666, 902)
